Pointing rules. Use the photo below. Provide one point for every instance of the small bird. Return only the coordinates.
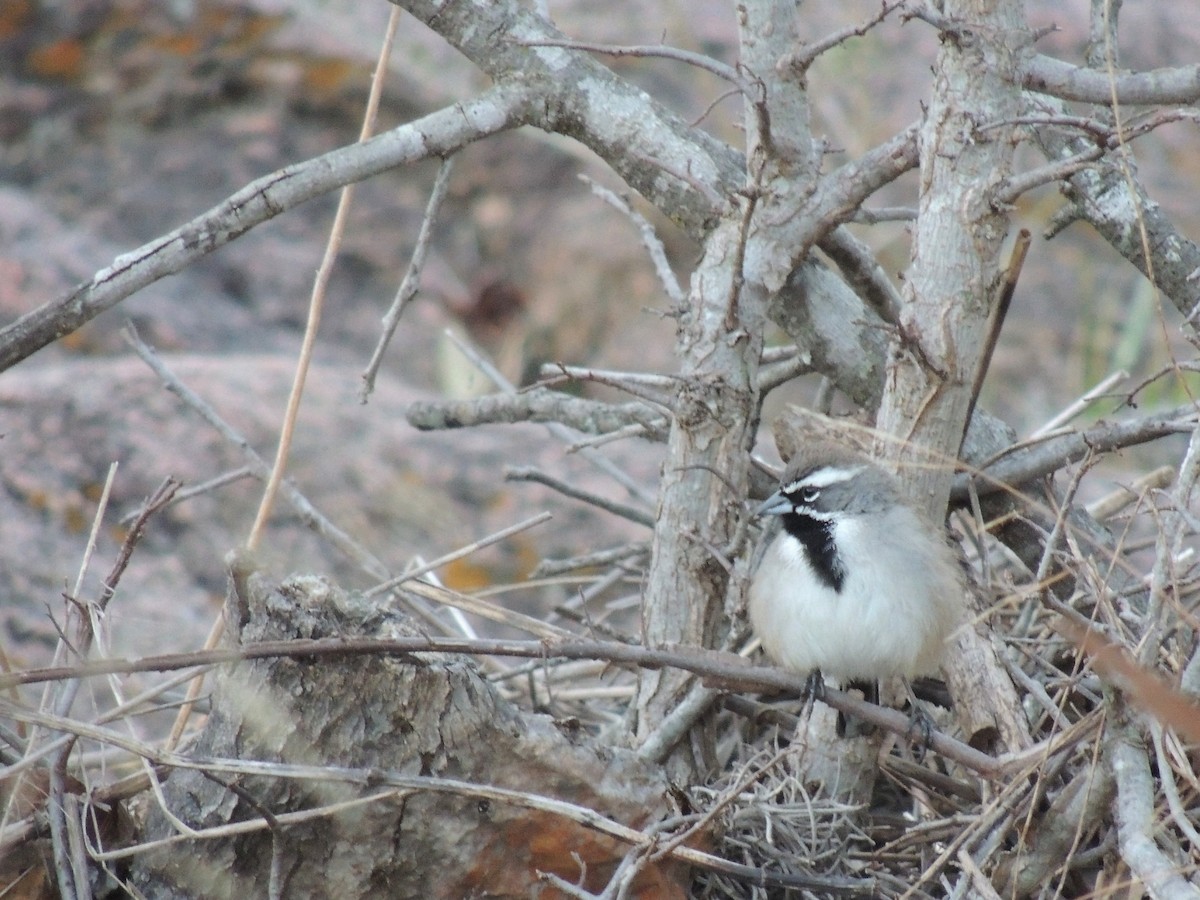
(852, 581)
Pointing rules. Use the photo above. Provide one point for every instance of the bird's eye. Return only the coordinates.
(809, 494)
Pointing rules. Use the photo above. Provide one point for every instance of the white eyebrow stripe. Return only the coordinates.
(824, 478)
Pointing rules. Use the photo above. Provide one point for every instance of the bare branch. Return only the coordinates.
(1047, 75)
(1053, 452)
(1012, 189)
(637, 136)
(467, 550)
(851, 184)
(619, 380)
(548, 568)
(159, 500)
(537, 405)
(863, 272)
(726, 669)
(1106, 139)
(640, 385)
(650, 241)
(659, 51)
(998, 314)
(412, 278)
(808, 54)
(196, 490)
(619, 509)
(375, 776)
(1136, 815)
(1120, 208)
(502, 108)
(1074, 409)
(312, 517)
(316, 304)
(837, 198)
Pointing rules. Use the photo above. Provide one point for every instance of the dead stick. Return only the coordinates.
(1008, 287)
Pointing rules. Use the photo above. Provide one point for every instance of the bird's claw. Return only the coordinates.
(814, 685)
(920, 725)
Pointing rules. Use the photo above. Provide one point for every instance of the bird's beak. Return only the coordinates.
(775, 505)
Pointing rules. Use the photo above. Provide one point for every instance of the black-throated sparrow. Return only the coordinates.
(851, 581)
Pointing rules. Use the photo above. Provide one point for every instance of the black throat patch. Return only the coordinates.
(820, 550)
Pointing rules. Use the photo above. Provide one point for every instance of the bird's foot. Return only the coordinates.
(920, 730)
(814, 685)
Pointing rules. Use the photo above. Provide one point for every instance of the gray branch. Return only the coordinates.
(442, 133)
(1102, 199)
(1047, 75)
(1051, 455)
(537, 405)
(631, 131)
(624, 510)
(584, 100)
(1136, 817)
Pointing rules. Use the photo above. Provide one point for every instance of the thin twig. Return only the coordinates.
(252, 826)
(412, 277)
(632, 384)
(97, 520)
(317, 301)
(659, 51)
(550, 567)
(633, 514)
(1076, 408)
(997, 316)
(204, 487)
(650, 240)
(610, 377)
(309, 514)
(62, 811)
(382, 777)
(492, 612)
(808, 53)
(1015, 186)
(111, 715)
(561, 432)
(466, 550)
(155, 503)
(1108, 506)
(629, 431)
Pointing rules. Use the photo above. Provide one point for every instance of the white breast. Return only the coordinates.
(890, 618)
